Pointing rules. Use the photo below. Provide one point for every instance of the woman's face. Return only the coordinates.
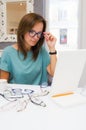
(33, 36)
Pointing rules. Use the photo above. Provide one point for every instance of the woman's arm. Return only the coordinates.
(51, 41)
(4, 75)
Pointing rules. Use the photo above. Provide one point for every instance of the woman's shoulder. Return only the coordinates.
(7, 48)
(44, 49)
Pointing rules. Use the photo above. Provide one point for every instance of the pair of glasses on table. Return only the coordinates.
(16, 98)
(17, 93)
(14, 94)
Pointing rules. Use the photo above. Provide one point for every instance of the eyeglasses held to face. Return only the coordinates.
(33, 33)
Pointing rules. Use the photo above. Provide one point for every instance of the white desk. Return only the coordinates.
(45, 118)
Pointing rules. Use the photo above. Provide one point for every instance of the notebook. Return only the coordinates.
(68, 71)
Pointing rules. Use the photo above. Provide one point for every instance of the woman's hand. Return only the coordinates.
(51, 40)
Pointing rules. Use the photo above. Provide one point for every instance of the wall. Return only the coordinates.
(82, 39)
(82, 81)
(39, 7)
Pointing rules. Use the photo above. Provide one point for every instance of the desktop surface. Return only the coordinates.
(51, 117)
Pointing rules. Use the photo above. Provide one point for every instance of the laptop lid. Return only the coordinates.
(69, 67)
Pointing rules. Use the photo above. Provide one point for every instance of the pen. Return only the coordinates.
(63, 94)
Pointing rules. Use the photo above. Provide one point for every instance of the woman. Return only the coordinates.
(27, 61)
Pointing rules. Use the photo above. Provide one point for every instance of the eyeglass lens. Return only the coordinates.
(32, 33)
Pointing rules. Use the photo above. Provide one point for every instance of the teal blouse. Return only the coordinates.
(25, 71)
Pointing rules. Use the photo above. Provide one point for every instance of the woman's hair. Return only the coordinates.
(26, 24)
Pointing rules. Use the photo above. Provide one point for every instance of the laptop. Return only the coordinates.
(68, 71)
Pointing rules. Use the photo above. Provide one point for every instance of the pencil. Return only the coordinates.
(63, 94)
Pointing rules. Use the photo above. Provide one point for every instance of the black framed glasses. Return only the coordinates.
(33, 33)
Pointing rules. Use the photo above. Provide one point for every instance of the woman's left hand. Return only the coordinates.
(50, 39)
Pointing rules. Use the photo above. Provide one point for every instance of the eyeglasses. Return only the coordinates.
(17, 105)
(18, 101)
(36, 101)
(32, 33)
(22, 91)
(14, 94)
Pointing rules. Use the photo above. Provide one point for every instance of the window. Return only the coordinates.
(63, 22)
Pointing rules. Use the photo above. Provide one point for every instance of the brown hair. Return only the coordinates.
(26, 24)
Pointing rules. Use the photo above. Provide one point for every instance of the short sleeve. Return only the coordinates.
(5, 62)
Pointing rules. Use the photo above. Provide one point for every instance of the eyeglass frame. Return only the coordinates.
(16, 94)
(22, 91)
(36, 33)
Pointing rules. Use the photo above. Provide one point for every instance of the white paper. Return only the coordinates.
(69, 100)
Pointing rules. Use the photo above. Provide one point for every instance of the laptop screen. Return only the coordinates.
(69, 68)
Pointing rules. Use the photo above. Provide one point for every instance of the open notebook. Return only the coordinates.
(68, 71)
